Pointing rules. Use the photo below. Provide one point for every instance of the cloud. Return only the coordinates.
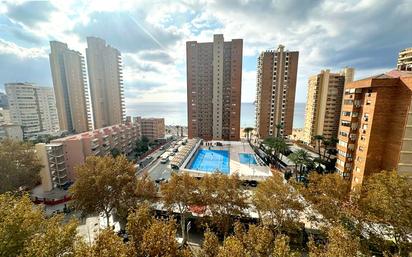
(127, 31)
(157, 56)
(329, 34)
(23, 69)
(31, 12)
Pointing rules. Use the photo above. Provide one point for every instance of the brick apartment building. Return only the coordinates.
(375, 130)
(152, 128)
(214, 78)
(275, 91)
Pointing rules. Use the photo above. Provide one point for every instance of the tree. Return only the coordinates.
(179, 194)
(210, 245)
(340, 243)
(115, 152)
(282, 249)
(299, 158)
(19, 167)
(25, 231)
(386, 199)
(232, 246)
(107, 244)
(277, 203)
(53, 239)
(248, 130)
(276, 146)
(142, 192)
(102, 183)
(224, 198)
(319, 139)
(160, 239)
(137, 223)
(329, 194)
(257, 240)
(278, 129)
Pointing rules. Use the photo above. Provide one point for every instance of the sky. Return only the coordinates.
(151, 36)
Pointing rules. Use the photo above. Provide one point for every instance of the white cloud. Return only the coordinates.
(328, 34)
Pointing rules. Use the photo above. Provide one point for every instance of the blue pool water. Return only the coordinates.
(247, 158)
(211, 161)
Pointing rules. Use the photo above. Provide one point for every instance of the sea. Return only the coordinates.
(176, 113)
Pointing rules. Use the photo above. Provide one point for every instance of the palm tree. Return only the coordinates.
(293, 157)
(319, 139)
(299, 158)
(247, 131)
(277, 145)
(278, 128)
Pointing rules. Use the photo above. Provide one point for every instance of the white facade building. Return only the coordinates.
(32, 107)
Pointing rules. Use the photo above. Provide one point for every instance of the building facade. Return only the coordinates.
(214, 78)
(375, 130)
(5, 116)
(152, 128)
(104, 65)
(275, 92)
(32, 107)
(324, 102)
(405, 60)
(4, 102)
(73, 150)
(70, 87)
(11, 131)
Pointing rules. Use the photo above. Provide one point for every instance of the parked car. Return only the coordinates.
(164, 160)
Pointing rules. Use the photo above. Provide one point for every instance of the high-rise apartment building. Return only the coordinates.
(104, 65)
(70, 88)
(152, 128)
(324, 102)
(32, 107)
(275, 96)
(375, 130)
(214, 78)
(405, 60)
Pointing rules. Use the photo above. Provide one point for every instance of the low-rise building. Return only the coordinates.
(4, 116)
(11, 131)
(405, 60)
(375, 130)
(76, 148)
(152, 128)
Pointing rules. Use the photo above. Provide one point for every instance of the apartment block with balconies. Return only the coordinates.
(375, 128)
(323, 105)
(54, 171)
(152, 128)
(275, 92)
(405, 60)
(73, 150)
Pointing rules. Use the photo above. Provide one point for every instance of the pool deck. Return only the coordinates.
(245, 171)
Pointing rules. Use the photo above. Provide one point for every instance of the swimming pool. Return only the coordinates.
(247, 158)
(211, 161)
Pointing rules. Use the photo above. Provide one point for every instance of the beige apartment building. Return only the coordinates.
(214, 78)
(61, 156)
(70, 87)
(405, 60)
(275, 92)
(375, 130)
(33, 108)
(324, 102)
(152, 128)
(104, 65)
